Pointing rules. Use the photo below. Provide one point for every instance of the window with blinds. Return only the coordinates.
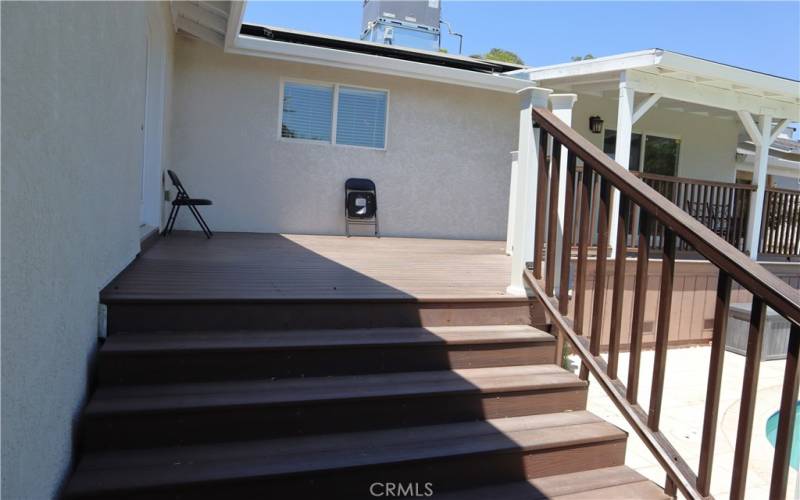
(307, 111)
(360, 115)
(361, 118)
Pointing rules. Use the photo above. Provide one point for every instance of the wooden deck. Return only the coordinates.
(249, 266)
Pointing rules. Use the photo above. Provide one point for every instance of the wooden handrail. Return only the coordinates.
(779, 295)
(588, 204)
(673, 463)
(670, 178)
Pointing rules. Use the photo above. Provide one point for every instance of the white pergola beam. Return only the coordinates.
(778, 129)
(750, 126)
(645, 106)
(706, 95)
(527, 182)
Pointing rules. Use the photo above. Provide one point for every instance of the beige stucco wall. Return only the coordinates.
(445, 171)
(708, 145)
(72, 101)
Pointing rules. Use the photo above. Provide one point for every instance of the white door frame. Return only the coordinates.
(153, 133)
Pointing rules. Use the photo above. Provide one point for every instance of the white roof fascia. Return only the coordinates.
(235, 18)
(310, 54)
(608, 64)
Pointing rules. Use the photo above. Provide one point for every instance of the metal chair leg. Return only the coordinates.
(174, 218)
(200, 221)
(169, 221)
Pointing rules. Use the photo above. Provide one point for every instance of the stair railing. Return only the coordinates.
(642, 203)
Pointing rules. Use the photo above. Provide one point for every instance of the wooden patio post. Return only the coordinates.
(525, 198)
(562, 107)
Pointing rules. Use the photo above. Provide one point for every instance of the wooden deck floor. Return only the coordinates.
(248, 266)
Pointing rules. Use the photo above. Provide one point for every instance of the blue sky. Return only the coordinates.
(756, 35)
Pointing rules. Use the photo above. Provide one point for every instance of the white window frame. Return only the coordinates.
(334, 116)
(644, 135)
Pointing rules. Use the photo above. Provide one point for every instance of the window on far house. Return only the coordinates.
(610, 146)
(661, 155)
(359, 118)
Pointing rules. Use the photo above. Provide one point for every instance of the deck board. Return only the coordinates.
(250, 266)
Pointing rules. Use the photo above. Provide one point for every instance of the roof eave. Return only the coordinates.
(309, 54)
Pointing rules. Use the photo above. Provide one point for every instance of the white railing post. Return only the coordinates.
(512, 203)
(562, 107)
(527, 181)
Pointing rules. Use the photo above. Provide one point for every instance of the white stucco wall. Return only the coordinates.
(72, 101)
(708, 145)
(445, 171)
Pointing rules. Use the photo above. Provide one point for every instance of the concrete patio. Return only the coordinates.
(682, 417)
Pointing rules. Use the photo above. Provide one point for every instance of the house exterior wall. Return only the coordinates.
(708, 145)
(445, 171)
(73, 103)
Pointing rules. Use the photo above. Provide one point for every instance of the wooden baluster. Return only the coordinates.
(583, 249)
(783, 220)
(783, 442)
(662, 329)
(566, 242)
(731, 215)
(764, 229)
(639, 305)
(747, 406)
(794, 238)
(552, 223)
(541, 203)
(618, 294)
(598, 304)
(595, 206)
(709, 435)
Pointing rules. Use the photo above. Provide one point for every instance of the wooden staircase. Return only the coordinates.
(276, 409)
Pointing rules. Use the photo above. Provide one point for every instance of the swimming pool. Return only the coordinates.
(772, 430)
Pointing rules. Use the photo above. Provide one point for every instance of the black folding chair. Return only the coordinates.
(184, 200)
(360, 204)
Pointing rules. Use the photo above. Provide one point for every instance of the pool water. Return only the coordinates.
(772, 431)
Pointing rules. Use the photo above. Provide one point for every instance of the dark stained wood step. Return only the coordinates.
(171, 357)
(344, 465)
(172, 414)
(275, 314)
(618, 483)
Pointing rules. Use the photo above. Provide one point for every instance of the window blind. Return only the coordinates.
(361, 117)
(307, 111)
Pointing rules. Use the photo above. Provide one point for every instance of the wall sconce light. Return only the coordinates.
(595, 124)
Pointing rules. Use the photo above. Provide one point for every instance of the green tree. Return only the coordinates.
(579, 58)
(500, 55)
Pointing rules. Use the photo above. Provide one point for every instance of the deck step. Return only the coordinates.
(618, 483)
(312, 313)
(344, 465)
(171, 357)
(163, 415)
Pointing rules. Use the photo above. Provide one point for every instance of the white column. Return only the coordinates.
(562, 107)
(760, 162)
(512, 203)
(622, 150)
(526, 185)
